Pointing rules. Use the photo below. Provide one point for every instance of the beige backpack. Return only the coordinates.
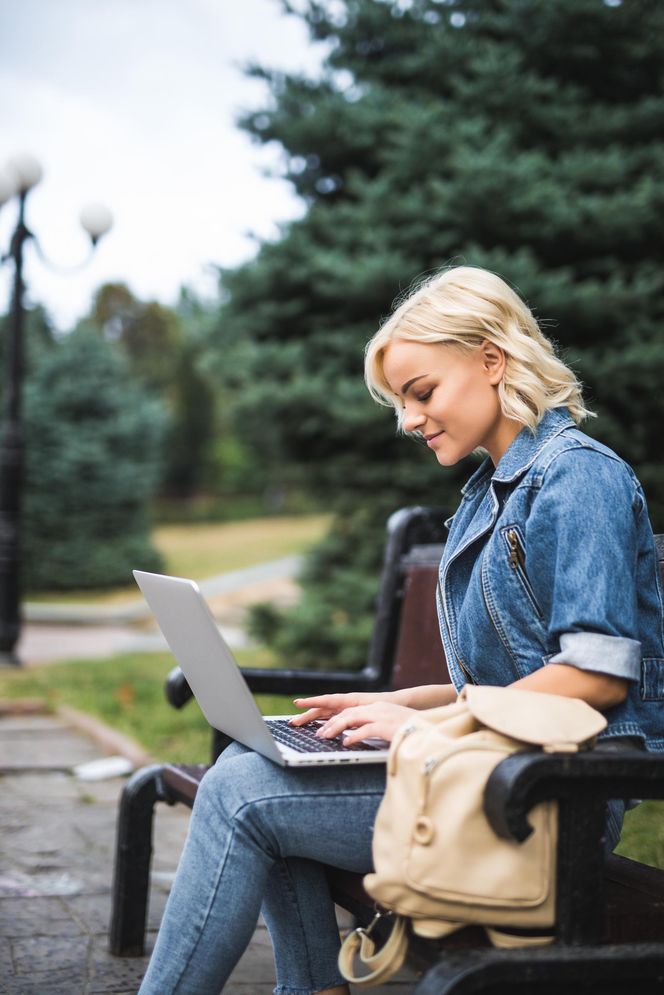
(438, 863)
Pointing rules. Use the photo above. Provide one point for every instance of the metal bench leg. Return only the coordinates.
(131, 879)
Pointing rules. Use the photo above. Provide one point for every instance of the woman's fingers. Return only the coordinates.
(335, 702)
(310, 716)
(322, 706)
(350, 717)
(355, 711)
(383, 718)
(356, 735)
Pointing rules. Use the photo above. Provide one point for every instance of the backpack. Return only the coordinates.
(438, 863)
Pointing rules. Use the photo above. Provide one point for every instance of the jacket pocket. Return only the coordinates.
(517, 560)
(652, 678)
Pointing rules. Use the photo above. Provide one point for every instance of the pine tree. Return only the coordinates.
(92, 464)
(513, 134)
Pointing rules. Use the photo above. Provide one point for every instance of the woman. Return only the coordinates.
(549, 581)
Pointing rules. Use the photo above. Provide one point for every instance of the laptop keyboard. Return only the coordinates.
(304, 740)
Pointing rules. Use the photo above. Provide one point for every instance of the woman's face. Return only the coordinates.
(450, 397)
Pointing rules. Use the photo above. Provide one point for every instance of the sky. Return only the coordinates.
(133, 103)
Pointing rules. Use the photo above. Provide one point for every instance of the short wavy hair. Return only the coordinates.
(464, 306)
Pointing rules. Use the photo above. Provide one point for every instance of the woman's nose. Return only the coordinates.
(412, 420)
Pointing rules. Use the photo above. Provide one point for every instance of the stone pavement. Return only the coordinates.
(57, 832)
(56, 856)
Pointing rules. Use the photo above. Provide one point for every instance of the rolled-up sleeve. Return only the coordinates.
(614, 655)
(581, 556)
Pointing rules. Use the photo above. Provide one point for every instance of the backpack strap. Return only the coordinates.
(382, 964)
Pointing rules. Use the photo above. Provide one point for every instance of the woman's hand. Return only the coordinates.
(324, 706)
(379, 719)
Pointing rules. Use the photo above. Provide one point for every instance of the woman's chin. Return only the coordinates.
(447, 459)
(447, 456)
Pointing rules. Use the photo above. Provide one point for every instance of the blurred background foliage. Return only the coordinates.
(513, 134)
(92, 461)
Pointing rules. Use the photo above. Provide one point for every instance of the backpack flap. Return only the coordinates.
(551, 721)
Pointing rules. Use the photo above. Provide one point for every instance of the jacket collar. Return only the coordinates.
(523, 451)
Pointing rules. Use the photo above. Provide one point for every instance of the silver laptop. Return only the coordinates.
(221, 690)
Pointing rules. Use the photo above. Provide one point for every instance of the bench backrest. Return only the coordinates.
(406, 628)
(405, 648)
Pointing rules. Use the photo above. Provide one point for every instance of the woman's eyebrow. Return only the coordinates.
(409, 383)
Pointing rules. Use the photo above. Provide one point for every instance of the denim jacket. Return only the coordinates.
(551, 559)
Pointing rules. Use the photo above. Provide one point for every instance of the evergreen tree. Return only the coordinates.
(92, 440)
(148, 332)
(164, 350)
(189, 444)
(513, 134)
(38, 340)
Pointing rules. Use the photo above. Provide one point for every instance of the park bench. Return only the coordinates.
(610, 913)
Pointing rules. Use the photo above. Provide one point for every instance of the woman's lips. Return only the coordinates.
(432, 438)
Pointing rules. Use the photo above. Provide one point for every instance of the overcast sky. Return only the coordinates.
(133, 103)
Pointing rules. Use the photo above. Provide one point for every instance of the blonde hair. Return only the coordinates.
(466, 305)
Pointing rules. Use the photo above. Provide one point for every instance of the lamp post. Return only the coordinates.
(18, 179)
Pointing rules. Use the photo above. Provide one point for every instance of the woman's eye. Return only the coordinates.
(425, 396)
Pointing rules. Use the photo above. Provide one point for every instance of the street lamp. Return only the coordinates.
(20, 175)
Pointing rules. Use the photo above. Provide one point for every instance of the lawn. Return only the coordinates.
(643, 834)
(203, 550)
(127, 693)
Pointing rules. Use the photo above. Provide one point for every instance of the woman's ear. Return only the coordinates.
(493, 361)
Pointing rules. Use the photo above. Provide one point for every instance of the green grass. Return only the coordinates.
(127, 693)
(643, 834)
(203, 550)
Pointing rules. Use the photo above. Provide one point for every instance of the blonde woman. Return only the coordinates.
(549, 581)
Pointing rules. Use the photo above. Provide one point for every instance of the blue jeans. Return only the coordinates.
(257, 835)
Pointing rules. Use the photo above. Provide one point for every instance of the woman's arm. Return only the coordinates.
(384, 714)
(427, 696)
(602, 691)
(324, 706)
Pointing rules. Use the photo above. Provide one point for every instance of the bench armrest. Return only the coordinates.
(177, 689)
(592, 776)
(582, 783)
(283, 681)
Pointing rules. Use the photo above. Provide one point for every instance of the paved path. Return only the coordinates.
(136, 610)
(53, 632)
(57, 832)
(56, 854)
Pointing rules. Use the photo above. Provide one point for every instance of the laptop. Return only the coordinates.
(222, 692)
